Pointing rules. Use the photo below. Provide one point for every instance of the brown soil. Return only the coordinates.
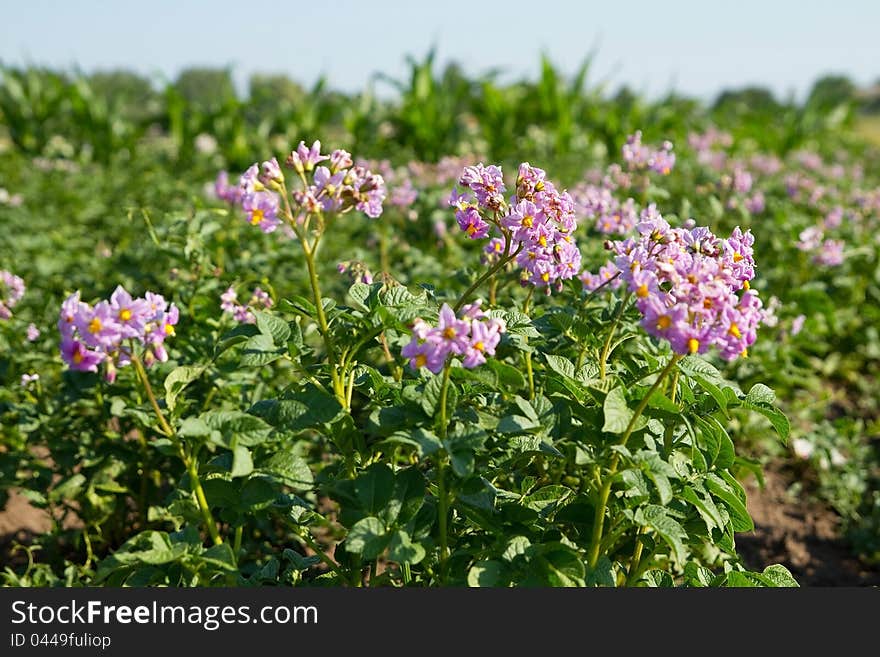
(802, 535)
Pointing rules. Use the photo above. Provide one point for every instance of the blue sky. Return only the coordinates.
(695, 48)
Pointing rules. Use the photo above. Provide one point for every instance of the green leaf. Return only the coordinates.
(256, 494)
(220, 556)
(178, 379)
(560, 565)
(237, 427)
(486, 574)
(658, 579)
(617, 413)
(662, 402)
(431, 395)
(516, 424)
(367, 538)
(548, 498)
(407, 498)
(776, 417)
(740, 519)
(194, 427)
(714, 391)
(780, 576)
(561, 366)
(291, 469)
(698, 575)
(242, 463)
(309, 409)
(508, 376)
(760, 394)
(273, 326)
(705, 507)
(260, 350)
(374, 487)
(602, 574)
(360, 293)
(666, 527)
(403, 550)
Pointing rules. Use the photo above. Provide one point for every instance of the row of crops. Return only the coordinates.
(470, 333)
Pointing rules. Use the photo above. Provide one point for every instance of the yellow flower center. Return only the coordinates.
(449, 333)
(746, 285)
(528, 221)
(77, 357)
(498, 247)
(125, 314)
(256, 217)
(95, 325)
(642, 291)
(545, 277)
(744, 353)
(737, 256)
(479, 346)
(169, 329)
(471, 229)
(707, 303)
(693, 345)
(663, 322)
(421, 360)
(542, 241)
(734, 330)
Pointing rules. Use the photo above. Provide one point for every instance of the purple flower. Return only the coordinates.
(271, 172)
(225, 191)
(79, 357)
(130, 314)
(12, 289)
(691, 287)
(305, 158)
(32, 332)
(471, 222)
(472, 335)
(262, 210)
(797, 324)
(28, 379)
(830, 254)
(98, 327)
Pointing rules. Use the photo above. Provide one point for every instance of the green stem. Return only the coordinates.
(603, 358)
(507, 257)
(528, 356)
(605, 491)
(236, 545)
(319, 552)
(188, 461)
(442, 498)
(633, 573)
(338, 386)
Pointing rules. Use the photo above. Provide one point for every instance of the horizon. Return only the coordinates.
(679, 48)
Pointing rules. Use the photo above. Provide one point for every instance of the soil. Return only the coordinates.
(800, 534)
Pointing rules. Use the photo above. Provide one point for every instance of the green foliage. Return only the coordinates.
(320, 454)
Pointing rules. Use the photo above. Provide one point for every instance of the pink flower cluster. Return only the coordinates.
(692, 287)
(337, 187)
(472, 336)
(826, 252)
(638, 156)
(109, 331)
(11, 291)
(536, 223)
(260, 300)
